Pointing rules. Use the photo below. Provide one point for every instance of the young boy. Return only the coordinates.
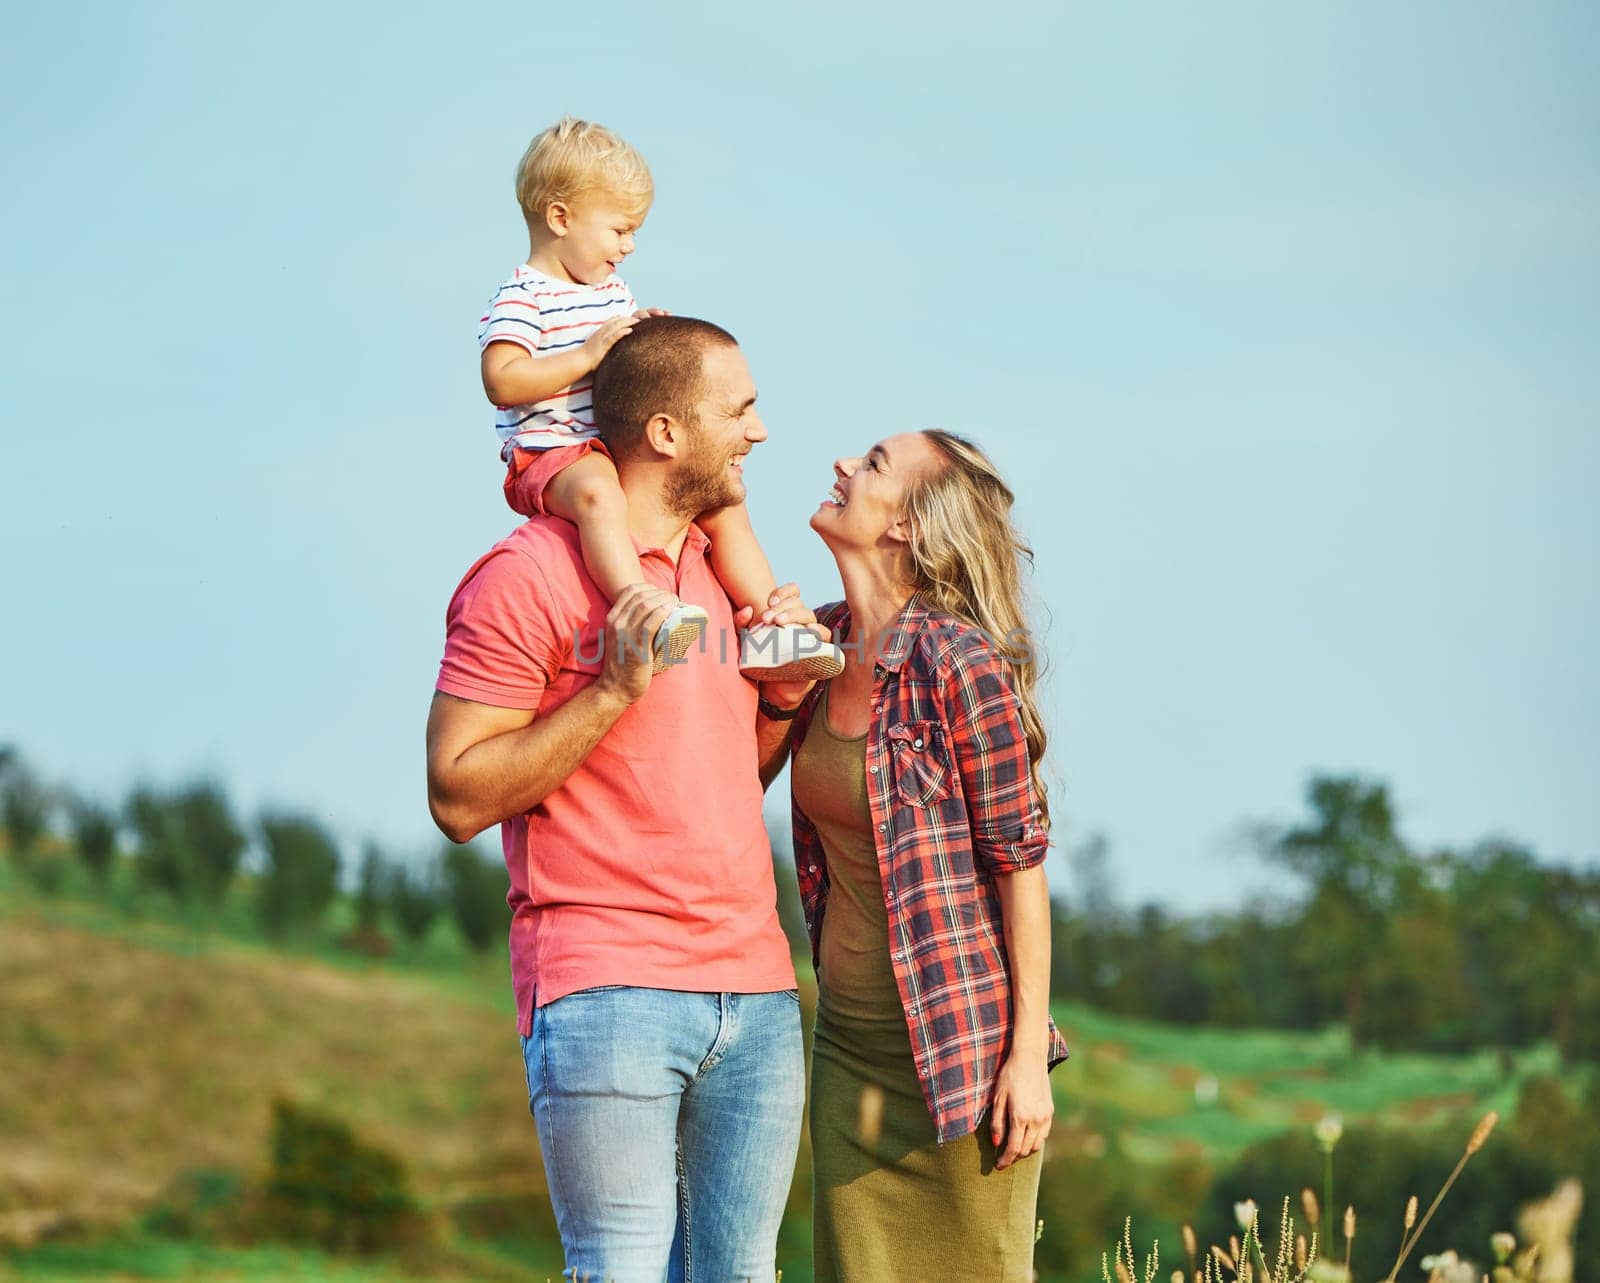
(584, 193)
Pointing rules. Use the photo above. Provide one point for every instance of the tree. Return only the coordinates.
(370, 887)
(413, 896)
(301, 876)
(1352, 857)
(24, 805)
(188, 841)
(475, 890)
(216, 843)
(94, 833)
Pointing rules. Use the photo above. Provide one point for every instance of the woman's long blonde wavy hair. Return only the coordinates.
(966, 560)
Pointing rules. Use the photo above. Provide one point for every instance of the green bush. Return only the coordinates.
(327, 1187)
(202, 1203)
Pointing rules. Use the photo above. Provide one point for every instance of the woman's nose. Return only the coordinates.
(846, 467)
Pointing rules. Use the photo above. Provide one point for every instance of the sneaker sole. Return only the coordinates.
(678, 643)
(812, 668)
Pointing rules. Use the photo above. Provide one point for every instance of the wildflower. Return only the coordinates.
(1245, 1213)
(1504, 1244)
(1328, 1130)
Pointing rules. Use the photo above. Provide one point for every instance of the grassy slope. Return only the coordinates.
(134, 1050)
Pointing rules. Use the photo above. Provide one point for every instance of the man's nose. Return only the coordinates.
(755, 429)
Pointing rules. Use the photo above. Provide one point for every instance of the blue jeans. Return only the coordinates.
(669, 1124)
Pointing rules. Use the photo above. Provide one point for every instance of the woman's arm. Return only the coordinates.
(1023, 1106)
(1009, 841)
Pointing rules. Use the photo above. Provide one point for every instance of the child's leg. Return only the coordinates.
(587, 493)
(737, 558)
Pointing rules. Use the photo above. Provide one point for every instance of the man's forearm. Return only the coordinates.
(514, 771)
(772, 746)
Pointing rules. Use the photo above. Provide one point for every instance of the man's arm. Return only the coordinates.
(486, 764)
(772, 734)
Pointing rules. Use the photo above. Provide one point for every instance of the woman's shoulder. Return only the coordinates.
(943, 641)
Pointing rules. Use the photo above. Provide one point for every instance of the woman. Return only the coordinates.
(919, 828)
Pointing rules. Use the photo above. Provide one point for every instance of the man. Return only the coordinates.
(655, 993)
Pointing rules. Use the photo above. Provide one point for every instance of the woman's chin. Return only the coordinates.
(822, 519)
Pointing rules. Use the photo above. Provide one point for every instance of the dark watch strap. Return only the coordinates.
(772, 712)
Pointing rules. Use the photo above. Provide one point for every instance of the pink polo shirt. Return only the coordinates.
(650, 865)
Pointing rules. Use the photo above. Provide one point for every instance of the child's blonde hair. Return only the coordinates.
(575, 158)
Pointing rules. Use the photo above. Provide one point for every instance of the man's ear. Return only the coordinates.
(664, 435)
(556, 217)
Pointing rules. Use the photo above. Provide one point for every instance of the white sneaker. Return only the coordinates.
(679, 631)
(787, 653)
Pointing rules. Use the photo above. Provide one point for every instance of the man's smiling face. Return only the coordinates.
(711, 474)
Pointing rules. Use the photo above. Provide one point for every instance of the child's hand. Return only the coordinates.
(651, 311)
(605, 338)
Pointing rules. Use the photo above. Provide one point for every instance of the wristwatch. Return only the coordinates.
(774, 713)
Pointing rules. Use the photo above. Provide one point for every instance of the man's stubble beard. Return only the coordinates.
(703, 484)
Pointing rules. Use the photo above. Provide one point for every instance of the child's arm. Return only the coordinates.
(737, 558)
(514, 376)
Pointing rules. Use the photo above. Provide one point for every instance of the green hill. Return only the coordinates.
(134, 1052)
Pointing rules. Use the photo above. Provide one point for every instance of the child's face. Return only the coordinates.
(593, 235)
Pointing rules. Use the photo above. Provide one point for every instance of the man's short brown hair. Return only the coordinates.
(655, 369)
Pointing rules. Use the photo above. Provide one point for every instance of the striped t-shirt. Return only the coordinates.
(544, 315)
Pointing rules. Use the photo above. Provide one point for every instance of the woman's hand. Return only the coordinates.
(1023, 1107)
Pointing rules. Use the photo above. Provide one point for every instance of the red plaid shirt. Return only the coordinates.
(953, 807)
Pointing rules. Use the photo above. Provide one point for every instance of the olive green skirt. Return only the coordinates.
(890, 1204)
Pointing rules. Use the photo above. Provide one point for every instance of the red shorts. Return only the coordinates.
(530, 471)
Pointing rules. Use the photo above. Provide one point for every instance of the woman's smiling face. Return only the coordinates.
(867, 501)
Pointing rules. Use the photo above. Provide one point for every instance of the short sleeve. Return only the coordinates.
(501, 646)
(514, 316)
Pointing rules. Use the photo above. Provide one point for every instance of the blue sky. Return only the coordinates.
(1282, 318)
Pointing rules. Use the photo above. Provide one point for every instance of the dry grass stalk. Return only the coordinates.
(1313, 1209)
(1480, 1133)
(1349, 1236)
(1124, 1261)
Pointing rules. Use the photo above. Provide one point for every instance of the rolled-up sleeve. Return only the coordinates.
(990, 748)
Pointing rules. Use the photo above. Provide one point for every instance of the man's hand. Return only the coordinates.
(1023, 1108)
(605, 338)
(629, 642)
(783, 607)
